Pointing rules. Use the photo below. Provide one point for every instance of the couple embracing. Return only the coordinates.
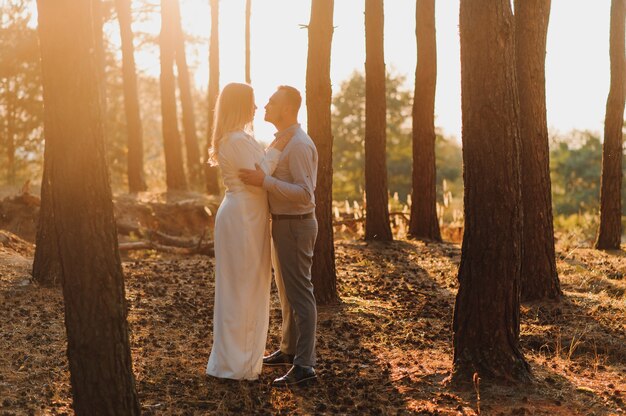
(277, 183)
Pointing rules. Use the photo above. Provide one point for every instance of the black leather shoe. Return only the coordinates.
(297, 375)
(278, 358)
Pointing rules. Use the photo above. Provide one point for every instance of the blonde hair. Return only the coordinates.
(234, 111)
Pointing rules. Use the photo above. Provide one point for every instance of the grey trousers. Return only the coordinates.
(292, 252)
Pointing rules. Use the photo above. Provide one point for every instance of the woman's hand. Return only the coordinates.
(281, 142)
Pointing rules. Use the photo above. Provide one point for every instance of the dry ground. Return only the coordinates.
(384, 350)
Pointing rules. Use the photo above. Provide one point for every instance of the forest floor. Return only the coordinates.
(385, 349)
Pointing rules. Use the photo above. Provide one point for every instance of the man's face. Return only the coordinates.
(274, 109)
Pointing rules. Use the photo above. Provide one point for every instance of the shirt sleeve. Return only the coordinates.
(302, 161)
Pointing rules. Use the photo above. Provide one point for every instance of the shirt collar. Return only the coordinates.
(286, 130)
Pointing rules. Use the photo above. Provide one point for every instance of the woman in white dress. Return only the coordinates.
(242, 241)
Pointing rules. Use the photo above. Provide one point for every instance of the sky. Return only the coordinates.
(577, 60)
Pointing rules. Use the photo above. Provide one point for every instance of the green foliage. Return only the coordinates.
(348, 124)
(576, 228)
(449, 164)
(21, 102)
(575, 170)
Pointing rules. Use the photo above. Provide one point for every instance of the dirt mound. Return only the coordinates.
(19, 215)
(180, 214)
(10, 242)
(175, 214)
(15, 260)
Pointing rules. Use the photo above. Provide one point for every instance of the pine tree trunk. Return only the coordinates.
(47, 264)
(377, 226)
(539, 279)
(174, 167)
(97, 10)
(189, 119)
(318, 101)
(486, 313)
(211, 172)
(610, 232)
(424, 222)
(10, 137)
(136, 176)
(248, 12)
(4, 121)
(93, 284)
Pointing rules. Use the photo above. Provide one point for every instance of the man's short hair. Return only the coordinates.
(292, 95)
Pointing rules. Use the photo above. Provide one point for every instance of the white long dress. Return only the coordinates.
(242, 263)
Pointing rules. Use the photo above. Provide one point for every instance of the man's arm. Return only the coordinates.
(302, 163)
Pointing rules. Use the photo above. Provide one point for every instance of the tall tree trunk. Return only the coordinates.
(248, 12)
(318, 101)
(4, 102)
(539, 278)
(10, 136)
(211, 172)
(189, 118)
(93, 283)
(136, 176)
(97, 10)
(486, 313)
(610, 232)
(424, 222)
(377, 226)
(47, 264)
(174, 167)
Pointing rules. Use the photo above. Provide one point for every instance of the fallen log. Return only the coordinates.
(125, 228)
(206, 249)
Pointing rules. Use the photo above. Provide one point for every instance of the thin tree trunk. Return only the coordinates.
(610, 232)
(248, 13)
(377, 226)
(97, 10)
(539, 278)
(174, 166)
(136, 176)
(4, 127)
(93, 283)
(486, 313)
(424, 222)
(318, 101)
(211, 172)
(189, 118)
(10, 136)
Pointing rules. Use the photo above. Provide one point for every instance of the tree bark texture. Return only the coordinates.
(174, 166)
(318, 101)
(486, 313)
(93, 283)
(135, 171)
(211, 172)
(424, 222)
(539, 278)
(377, 226)
(610, 231)
(189, 118)
(9, 141)
(47, 263)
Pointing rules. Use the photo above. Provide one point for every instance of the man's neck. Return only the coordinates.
(286, 124)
